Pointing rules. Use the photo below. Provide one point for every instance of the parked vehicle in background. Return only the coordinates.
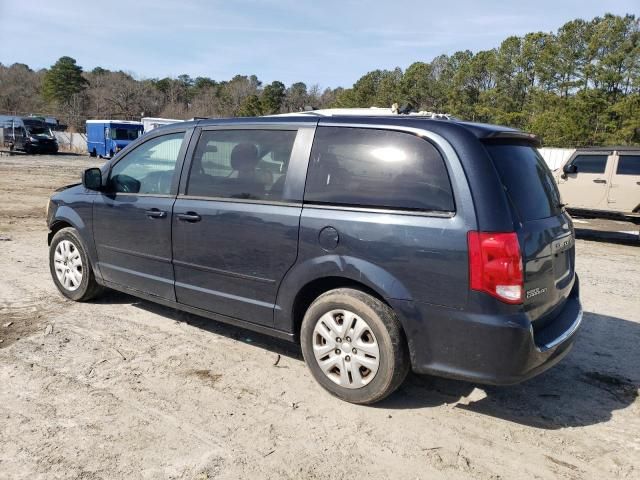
(27, 134)
(149, 123)
(381, 244)
(555, 157)
(52, 122)
(602, 182)
(105, 138)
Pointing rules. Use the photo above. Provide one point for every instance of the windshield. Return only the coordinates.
(36, 127)
(33, 130)
(124, 133)
(527, 180)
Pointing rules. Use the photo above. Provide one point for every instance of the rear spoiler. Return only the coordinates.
(512, 135)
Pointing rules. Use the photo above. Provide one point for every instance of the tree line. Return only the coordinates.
(577, 86)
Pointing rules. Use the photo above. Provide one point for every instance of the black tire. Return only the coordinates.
(394, 356)
(88, 288)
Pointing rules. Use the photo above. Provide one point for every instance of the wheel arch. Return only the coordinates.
(55, 227)
(310, 279)
(312, 290)
(66, 216)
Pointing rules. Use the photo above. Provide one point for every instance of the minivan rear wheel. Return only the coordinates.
(354, 346)
(70, 266)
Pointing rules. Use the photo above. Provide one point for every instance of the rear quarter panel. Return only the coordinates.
(398, 254)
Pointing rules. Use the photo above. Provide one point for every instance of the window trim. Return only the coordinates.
(463, 200)
(384, 210)
(423, 135)
(133, 146)
(128, 194)
(240, 200)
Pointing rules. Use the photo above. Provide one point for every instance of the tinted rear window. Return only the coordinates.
(527, 180)
(628, 165)
(377, 168)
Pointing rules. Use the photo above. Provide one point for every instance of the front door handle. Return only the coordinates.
(599, 180)
(189, 217)
(155, 213)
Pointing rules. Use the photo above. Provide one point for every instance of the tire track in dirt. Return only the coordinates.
(23, 318)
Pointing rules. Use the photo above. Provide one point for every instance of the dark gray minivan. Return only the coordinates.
(379, 243)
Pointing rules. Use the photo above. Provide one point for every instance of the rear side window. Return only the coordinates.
(628, 165)
(527, 180)
(243, 164)
(590, 163)
(377, 169)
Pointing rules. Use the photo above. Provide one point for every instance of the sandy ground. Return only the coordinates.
(124, 389)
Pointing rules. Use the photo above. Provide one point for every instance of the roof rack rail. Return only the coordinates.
(393, 111)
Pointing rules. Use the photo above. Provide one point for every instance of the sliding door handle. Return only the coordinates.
(189, 217)
(599, 180)
(155, 213)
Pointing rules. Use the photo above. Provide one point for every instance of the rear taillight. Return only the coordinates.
(495, 265)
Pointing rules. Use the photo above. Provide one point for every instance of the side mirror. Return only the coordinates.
(92, 179)
(570, 168)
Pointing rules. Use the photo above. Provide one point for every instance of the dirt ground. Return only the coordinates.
(123, 389)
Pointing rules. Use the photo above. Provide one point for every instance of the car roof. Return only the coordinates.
(625, 148)
(478, 130)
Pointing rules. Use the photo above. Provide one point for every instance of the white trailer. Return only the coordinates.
(149, 123)
(556, 157)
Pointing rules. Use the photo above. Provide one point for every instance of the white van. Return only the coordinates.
(602, 181)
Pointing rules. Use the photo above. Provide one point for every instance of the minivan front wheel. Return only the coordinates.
(354, 346)
(70, 267)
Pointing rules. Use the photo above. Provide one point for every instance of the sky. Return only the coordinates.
(331, 43)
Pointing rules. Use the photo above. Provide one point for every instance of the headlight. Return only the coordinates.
(33, 140)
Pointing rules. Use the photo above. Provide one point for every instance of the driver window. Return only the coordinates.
(149, 168)
(590, 163)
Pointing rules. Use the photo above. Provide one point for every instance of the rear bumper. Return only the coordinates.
(498, 350)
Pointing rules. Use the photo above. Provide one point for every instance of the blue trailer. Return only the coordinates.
(106, 137)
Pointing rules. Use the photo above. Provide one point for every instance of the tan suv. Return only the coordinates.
(602, 181)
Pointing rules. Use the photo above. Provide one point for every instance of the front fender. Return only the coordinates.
(65, 214)
(80, 217)
(342, 266)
